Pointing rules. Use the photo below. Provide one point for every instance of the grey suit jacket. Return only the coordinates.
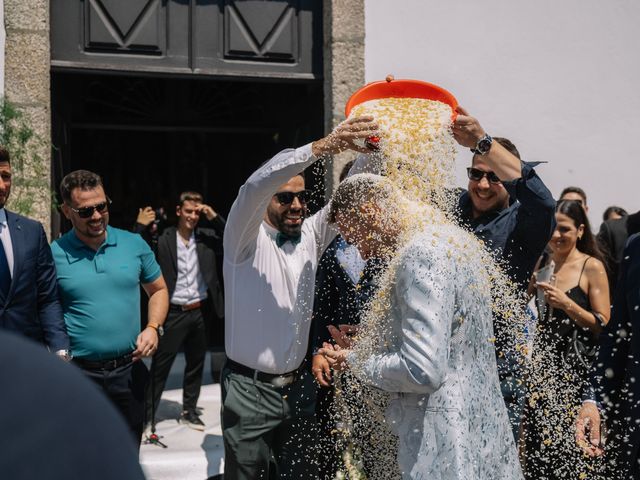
(440, 367)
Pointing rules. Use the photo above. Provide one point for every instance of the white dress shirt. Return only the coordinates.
(5, 237)
(268, 289)
(350, 260)
(190, 285)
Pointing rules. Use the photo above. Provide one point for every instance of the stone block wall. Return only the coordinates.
(343, 69)
(27, 83)
(2, 38)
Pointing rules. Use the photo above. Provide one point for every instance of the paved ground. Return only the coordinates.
(190, 454)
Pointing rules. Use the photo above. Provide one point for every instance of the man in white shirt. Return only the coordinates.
(270, 259)
(187, 257)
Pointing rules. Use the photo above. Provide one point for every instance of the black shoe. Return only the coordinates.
(191, 420)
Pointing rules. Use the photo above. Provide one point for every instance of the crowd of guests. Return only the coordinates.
(294, 290)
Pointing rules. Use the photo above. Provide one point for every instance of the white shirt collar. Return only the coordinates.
(3, 216)
(192, 237)
(272, 232)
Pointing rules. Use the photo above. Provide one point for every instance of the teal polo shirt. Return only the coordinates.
(100, 291)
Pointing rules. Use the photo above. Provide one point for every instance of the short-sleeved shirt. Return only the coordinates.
(100, 291)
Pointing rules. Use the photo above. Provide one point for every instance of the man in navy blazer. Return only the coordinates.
(615, 376)
(29, 301)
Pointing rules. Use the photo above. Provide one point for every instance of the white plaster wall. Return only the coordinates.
(2, 38)
(560, 79)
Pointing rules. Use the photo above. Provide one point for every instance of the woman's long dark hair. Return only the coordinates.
(574, 210)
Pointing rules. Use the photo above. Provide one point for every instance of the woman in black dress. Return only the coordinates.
(573, 303)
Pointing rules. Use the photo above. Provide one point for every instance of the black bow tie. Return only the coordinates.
(283, 238)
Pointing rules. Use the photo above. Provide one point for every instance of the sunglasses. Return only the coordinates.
(476, 175)
(87, 212)
(286, 198)
(577, 200)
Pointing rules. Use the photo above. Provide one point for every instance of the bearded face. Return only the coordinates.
(288, 207)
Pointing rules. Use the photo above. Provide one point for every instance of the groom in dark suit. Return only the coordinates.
(29, 301)
(616, 373)
(187, 257)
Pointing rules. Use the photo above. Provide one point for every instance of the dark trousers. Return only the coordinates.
(635, 469)
(329, 455)
(513, 392)
(269, 432)
(125, 386)
(180, 329)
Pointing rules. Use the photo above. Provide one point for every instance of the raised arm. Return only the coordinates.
(253, 198)
(519, 178)
(467, 131)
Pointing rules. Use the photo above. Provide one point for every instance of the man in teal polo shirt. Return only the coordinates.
(100, 270)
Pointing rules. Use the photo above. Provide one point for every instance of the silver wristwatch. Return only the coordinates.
(65, 355)
(483, 146)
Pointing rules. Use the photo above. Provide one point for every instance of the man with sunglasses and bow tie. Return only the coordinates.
(507, 206)
(100, 270)
(271, 254)
(29, 303)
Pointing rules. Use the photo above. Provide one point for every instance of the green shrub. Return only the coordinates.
(31, 181)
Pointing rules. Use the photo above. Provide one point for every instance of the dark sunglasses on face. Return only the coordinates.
(476, 175)
(286, 198)
(87, 212)
(578, 200)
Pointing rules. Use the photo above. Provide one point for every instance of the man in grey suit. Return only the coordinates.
(430, 342)
(29, 302)
(187, 258)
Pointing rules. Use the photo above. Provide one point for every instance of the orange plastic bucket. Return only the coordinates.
(402, 89)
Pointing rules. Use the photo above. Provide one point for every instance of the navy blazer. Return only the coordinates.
(617, 368)
(337, 300)
(520, 232)
(32, 306)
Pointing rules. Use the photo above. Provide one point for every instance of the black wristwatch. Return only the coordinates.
(158, 328)
(483, 146)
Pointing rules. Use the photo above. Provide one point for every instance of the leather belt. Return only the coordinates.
(275, 379)
(108, 365)
(186, 308)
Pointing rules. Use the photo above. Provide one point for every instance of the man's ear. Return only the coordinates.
(66, 211)
(178, 208)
